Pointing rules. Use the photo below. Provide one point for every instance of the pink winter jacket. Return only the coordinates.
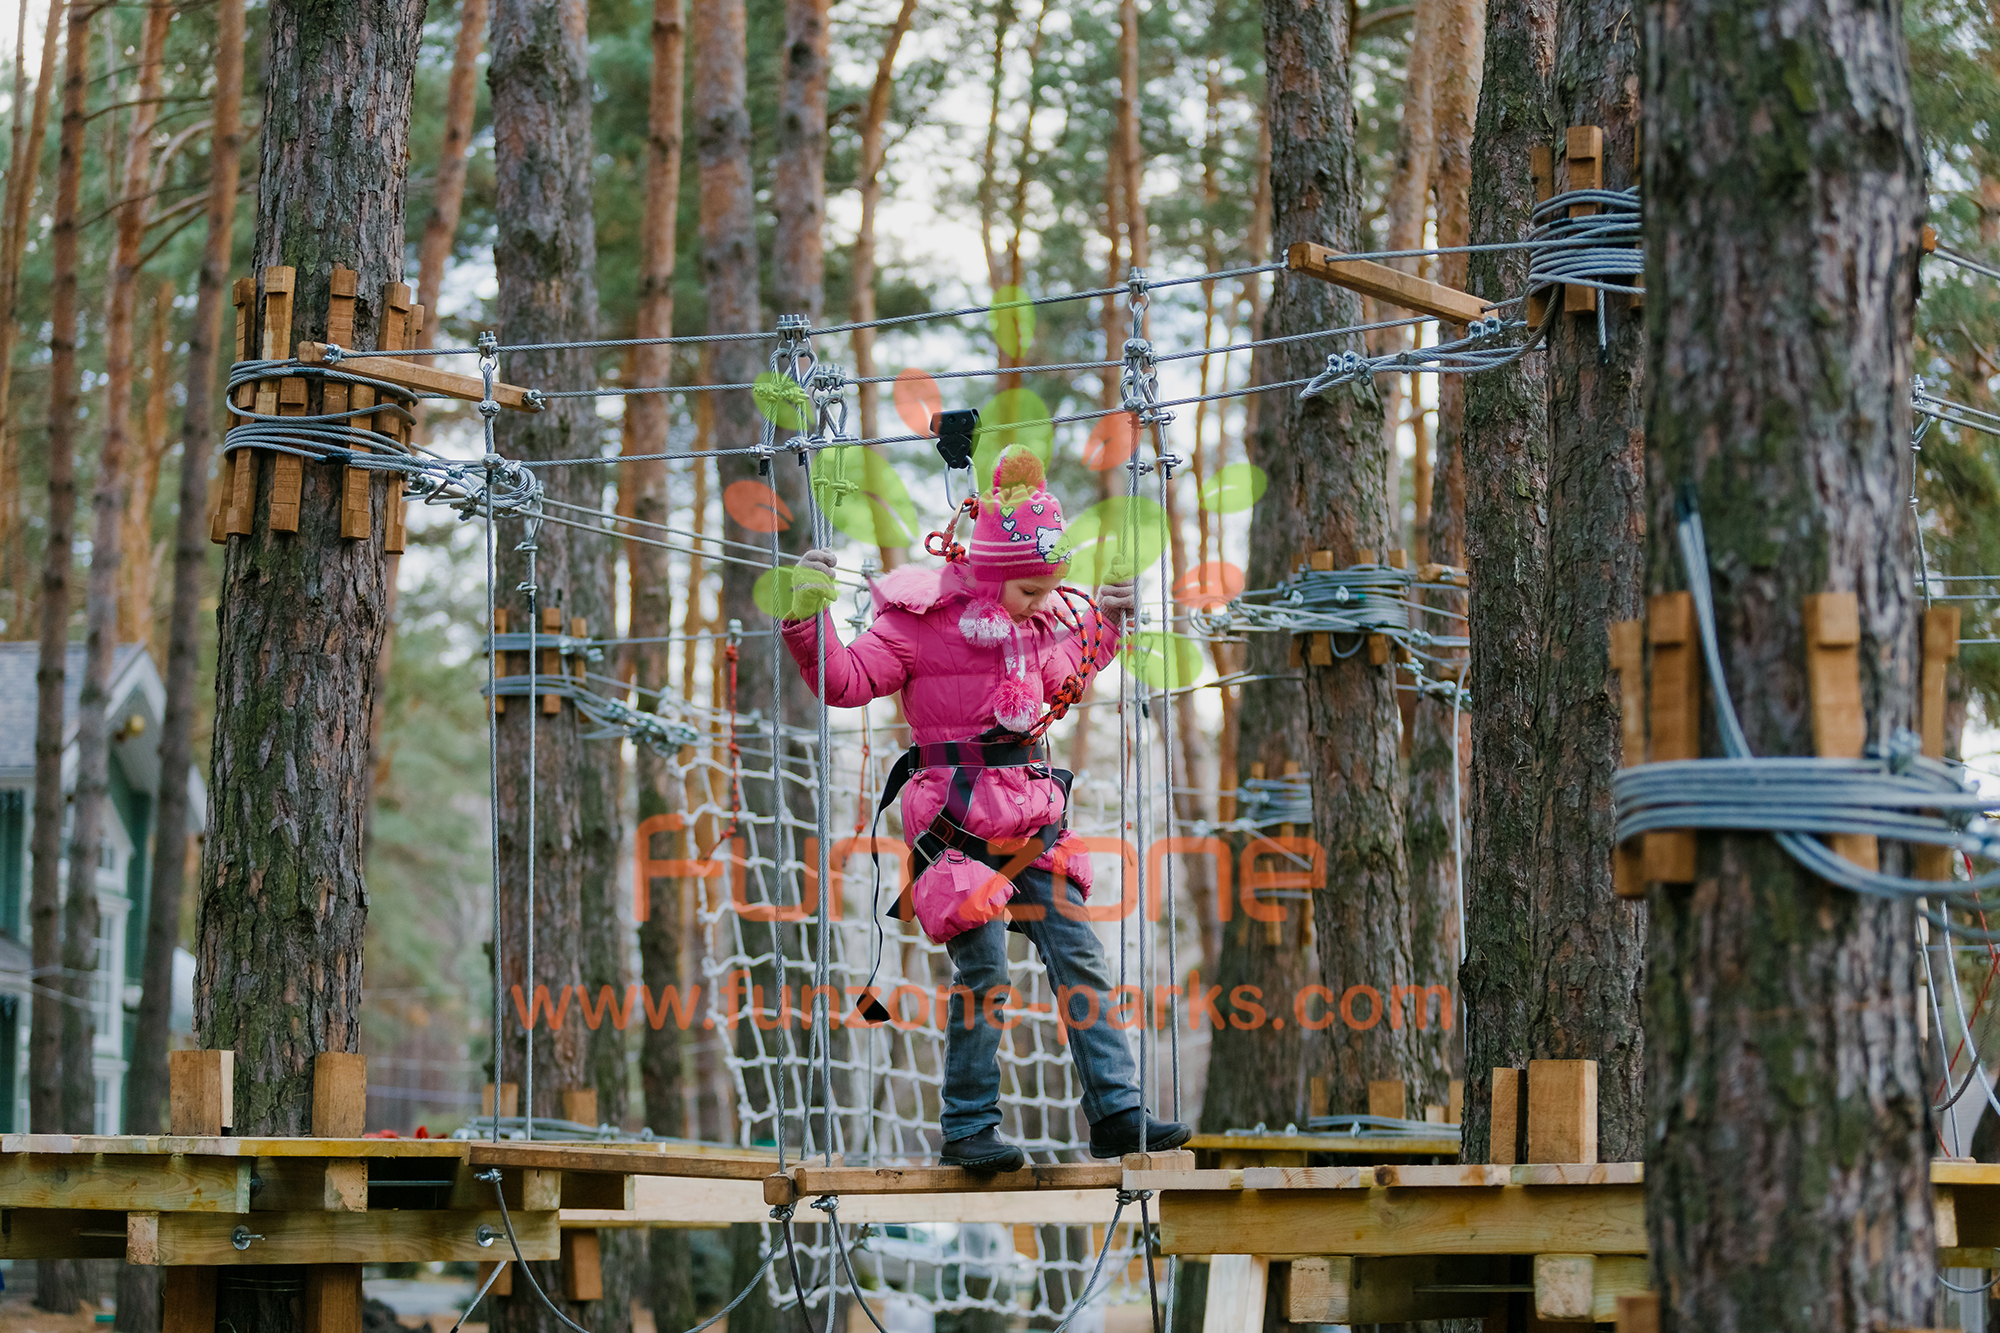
(962, 665)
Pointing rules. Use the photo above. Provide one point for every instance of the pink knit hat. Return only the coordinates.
(1020, 525)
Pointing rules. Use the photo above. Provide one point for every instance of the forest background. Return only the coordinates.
(1004, 162)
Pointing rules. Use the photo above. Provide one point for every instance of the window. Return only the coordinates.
(13, 856)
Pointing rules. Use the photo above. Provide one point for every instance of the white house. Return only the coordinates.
(124, 861)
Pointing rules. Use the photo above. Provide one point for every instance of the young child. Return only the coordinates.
(977, 650)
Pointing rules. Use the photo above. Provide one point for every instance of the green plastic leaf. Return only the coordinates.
(792, 591)
(1012, 416)
(1113, 539)
(1164, 661)
(782, 401)
(1012, 320)
(863, 497)
(1234, 489)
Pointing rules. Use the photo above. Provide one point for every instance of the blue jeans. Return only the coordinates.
(1076, 965)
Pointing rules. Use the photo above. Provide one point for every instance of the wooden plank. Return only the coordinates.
(288, 471)
(1562, 1110)
(1512, 1219)
(1508, 1131)
(1941, 630)
(391, 335)
(1674, 710)
(1387, 285)
(1563, 1284)
(340, 1095)
(187, 1300)
(161, 1184)
(665, 1201)
(1627, 640)
(62, 1233)
(625, 1159)
(222, 1146)
(1584, 147)
(392, 1236)
(1388, 1097)
(201, 1092)
(1237, 1284)
(1542, 172)
(333, 1298)
(526, 1189)
(421, 378)
(242, 492)
(845, 1180)
(1308, 1177)
(1470, 1175)
(1638, 1313)
(1833, 686)
(1212, 1178)
(582, 1266)
(596, 1192)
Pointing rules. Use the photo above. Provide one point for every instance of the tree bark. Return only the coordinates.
(140, 571)
(798, 182)
(1506, 467)
(23, 174)
(283, 906)
(1328, 489)
(146, 1083)
(1787, 1154)
(662, 930)
(1588, 944)
(58, 1284)
(1407, 205)
(1131, 153)
(861, 308)
(461, 102)
(545, 254)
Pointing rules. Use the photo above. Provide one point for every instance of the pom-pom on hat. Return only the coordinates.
(1020, 525)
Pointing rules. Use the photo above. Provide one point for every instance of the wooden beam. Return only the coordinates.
(392, 1236)
(1237, 1287)
(159, 1184)
(624, 1160)
(845, 1180)
(1513, 1219)
(1469, 1175)
(1348, 1290)
(1941, 629)
(1387, 285)
(187, 1300)
(582, 1266)
(660, 1201)
(420, 378)
(1562, 1110)
(1304, 1177)
(201, 1090)
(502, 1285)
(62, 1233)
(1674, 708)
(340, 1095)
(333, 1298)
(1833, 685)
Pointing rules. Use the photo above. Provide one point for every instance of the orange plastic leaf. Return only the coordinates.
(918, 399)
(1210, 585)
(756, 506)
(1110, 445)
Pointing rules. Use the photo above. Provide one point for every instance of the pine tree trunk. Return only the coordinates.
(1506, 476)
(1589, 944)
(58, 1284)
(1787, 1155)
(662, 930)
(1436, 801)
(283, 906)
(146, 1083)
(545, 253)
(23, 174)
(1131, 155)
(461, 102)
(1328, 489)
(1407, 204)
(140, 573)
(798, 180)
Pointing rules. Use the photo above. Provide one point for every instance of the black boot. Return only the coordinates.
(1118, 1134)
(984, 1151)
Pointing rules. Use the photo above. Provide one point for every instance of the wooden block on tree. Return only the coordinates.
(1563, 1287)
(582, 1266)
(333, 1298)
(1674, 709)
(510, 1093)
(1639, 1313)
(551, 663)
(1627, 641)
(1562, 1110)
(340, 1095)
(1941, 629)
(1455, 1111)
(1507, 1136)
(218, 502)
(580, 1105)
(187, 1299)
(1387, 285)
(201, 1092)
(499, 703)
(392, 336)
(1388, 1097)
(395, 531)
(1319, 1104)
(579, 628)
(420, 378)
(242, 493)
(1584, 148)
(1833, 685)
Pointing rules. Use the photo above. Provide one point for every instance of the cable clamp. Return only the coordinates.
(1128, 1197)
(331, 353)
(781, 1213)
